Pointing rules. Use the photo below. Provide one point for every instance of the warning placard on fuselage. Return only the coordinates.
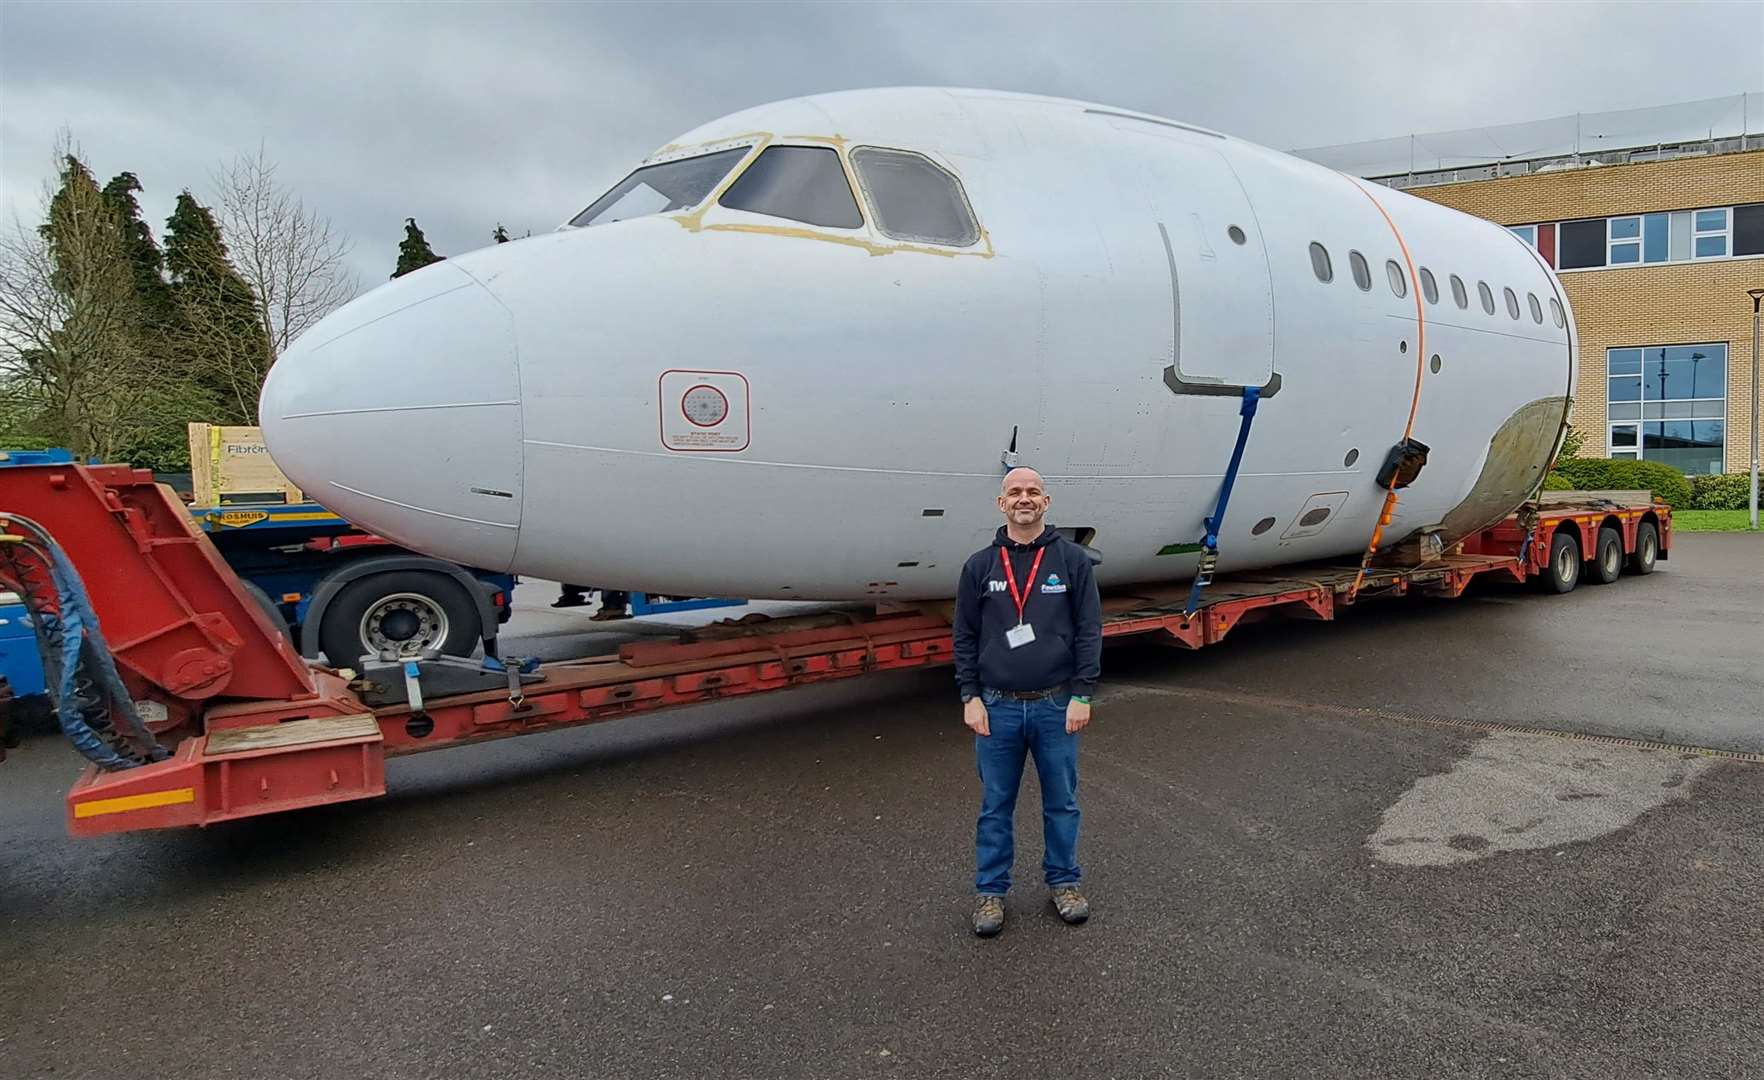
(705, 411)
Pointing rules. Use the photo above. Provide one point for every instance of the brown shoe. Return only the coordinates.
(989, 916)
(1070, 903)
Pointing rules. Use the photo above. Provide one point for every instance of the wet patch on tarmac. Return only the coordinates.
(1515, 792)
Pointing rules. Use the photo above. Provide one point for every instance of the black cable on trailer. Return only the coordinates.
(79, 673)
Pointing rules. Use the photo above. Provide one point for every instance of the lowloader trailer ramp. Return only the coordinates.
(201, 711)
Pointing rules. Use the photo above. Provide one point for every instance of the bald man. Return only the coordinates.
(1028, 653)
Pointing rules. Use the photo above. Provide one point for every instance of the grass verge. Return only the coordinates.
(1711, 521)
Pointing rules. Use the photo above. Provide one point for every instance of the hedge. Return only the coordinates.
(1597, 474)
(1724, 491)
(1555, 481)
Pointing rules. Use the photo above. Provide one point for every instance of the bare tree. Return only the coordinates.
(289, 255)
(71, 362)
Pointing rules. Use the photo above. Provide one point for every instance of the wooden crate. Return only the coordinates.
(231, 465)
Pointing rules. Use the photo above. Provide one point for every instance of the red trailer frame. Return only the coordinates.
(254, 731)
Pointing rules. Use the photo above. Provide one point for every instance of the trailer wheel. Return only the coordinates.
(404, 610)
(270, 608)
(1647, 549)
(1607, 563)
(1563, 572)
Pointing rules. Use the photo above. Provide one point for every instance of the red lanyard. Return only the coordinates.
(1022, 596)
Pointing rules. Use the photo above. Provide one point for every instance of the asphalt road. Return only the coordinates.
(1293, 875)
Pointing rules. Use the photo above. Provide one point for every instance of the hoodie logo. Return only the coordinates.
(1053, 584)
(997, 586)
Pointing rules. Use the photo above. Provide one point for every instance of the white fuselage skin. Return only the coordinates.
(513, 408)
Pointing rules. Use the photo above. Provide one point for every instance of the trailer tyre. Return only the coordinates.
(407, 610)
(1563, 572)
(1607, 564)
(1647, 549)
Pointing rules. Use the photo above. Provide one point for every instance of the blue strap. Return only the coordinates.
(1210, 542)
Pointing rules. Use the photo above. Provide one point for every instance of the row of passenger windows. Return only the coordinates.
(1399, 285)
(909, 196)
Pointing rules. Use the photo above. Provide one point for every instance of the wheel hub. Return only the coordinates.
(404, 623)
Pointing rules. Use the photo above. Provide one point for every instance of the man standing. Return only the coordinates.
(1028, 653)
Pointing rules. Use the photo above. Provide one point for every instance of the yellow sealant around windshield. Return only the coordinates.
(693, 221)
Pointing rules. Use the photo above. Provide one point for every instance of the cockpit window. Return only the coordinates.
(657, 189)
(911, 198)
(801, 183)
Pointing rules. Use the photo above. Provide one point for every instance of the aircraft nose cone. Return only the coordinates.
(401, 412)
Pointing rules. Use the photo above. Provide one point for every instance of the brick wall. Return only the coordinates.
(1680, 303)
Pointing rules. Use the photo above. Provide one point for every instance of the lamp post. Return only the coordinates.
(1756, 295)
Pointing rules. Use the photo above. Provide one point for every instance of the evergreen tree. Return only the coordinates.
(414, 252)
(500, 235)
(152, 292)
(221, 329)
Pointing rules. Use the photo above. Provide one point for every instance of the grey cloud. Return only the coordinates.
(463, 115)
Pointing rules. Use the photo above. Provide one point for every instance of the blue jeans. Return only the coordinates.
(1037, 728)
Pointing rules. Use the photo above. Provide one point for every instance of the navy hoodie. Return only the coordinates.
(1063, 606)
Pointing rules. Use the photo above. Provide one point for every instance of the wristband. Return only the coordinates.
(1081, 698)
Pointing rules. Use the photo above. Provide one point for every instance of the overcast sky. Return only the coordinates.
(465, 115)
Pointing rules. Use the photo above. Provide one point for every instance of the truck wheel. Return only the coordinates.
(403, 610)
(1563, 572)
(1607, 564)
(270, 608)
(1647, 549)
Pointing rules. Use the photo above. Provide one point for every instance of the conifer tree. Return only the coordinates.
(221, 329)
(152, 292)
(414, 252)
(500, 235)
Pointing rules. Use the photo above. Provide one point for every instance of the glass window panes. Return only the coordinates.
(1512, 303)
(658, 189)
(1487, 297)
(797, 183)
(1748, 229)
(1399, 283)
(1679, 247)
(1667, 403)
(1459, 295)
(1536, 308)
(911, 198)
(1527, 233)
(1581, 244)
(1320, 263)
(1622, 254)
(1712, 220)
(1362, 272)
(1654, 238)
(1709, 247)
(1625, 228)
(1429, 287)
(1561, 320)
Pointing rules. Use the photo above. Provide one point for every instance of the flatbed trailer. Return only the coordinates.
(252, 729)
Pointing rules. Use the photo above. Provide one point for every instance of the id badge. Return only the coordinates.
(1019, 635)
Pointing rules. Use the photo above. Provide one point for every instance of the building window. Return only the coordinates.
(1668, 403)
(1320, 263)
(1654, 237)
(1429, 287)
(1710, 237)
(1748, 229)
(1459, 295)
(1582, 244)
(1394, 273)
(1527, 233)
(1362, 272)
(1625, 240)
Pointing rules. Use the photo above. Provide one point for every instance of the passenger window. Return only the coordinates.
(799, 183)
(1536, 308)
(1512, 303)
(1398, 283)
(1320, 263)
(1429, 287)
(1487, 297)
(1460, 295)
(1362, 272)
(1556, 313)
(659, 189)
(912, 198)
